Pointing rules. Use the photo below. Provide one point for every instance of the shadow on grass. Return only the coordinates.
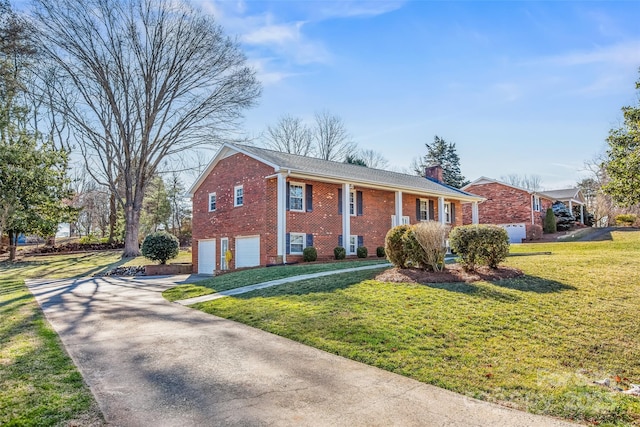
(534, 284)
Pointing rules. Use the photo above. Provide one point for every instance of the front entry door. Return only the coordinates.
(224, 247)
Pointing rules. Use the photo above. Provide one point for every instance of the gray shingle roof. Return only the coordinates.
(564, 194)
(354, 173)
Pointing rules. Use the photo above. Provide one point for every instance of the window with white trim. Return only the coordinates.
(212, 202)
(238, 195)
(296, 243)
(536, 203)
(353, 244)
(296, 197)
(447, 212)
(352, 203)
(424, 210)
(406, 220)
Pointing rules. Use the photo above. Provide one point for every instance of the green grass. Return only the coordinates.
(39, 384)
(257, 275)
(536, 343)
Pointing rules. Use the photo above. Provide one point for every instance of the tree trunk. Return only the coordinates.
(113, 217)
(132, 228)
(13, 238)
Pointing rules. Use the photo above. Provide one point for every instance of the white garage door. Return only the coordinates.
(517, 232)
(247, 251)
(206, 256)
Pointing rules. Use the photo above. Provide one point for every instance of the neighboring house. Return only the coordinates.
(515, 208)
(571, 197)
(254, 206)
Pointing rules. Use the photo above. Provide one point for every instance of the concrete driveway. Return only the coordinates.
(154, 363)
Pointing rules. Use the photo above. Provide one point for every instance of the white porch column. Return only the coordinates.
(571, 207)
(281, 191)
(346, 216)
(441, 217)
(582, 214)
(474, 213)
(398, 208)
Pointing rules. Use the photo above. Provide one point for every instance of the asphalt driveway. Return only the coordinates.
(154, 363)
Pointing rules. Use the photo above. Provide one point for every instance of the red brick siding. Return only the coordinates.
(409, 208)
(323, 222)
(373, 225)
(229, 221)
(504, 205)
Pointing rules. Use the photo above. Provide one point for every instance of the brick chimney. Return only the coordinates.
(434, 172)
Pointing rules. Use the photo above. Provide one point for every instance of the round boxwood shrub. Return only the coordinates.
(339, 252)
(394, 246)
(160, 246)
(362, 252)
(380, 251)
(479, 244)
(309, 254)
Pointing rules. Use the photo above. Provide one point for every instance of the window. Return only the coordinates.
(296, 197)
(447, 212)
(352, 202)
(238, 199)
(296, 243)
(212, 202)
(536, 203)
(353, 244)
(406, 220)
(424, 210)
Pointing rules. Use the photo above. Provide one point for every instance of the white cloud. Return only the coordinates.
(351, 9)
(620, 54)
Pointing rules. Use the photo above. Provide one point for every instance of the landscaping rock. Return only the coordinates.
(135, 270)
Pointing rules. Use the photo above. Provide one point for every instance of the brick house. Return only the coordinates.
(508, 205)
(253, 206)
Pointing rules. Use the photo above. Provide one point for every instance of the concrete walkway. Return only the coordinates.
(245, 289)
(153, 363)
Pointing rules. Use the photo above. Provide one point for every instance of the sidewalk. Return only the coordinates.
(249, 288)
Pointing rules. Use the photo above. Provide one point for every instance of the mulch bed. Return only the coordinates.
(452, 273)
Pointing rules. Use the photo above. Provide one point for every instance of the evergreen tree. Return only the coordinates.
(623, 162)
(443, 153)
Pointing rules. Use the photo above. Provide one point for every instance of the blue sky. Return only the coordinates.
(520, 87)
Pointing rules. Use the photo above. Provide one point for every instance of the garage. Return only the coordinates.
(206, 256)
(247, 251)
(517, 232)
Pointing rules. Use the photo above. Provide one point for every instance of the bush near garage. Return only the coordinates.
(160, 246)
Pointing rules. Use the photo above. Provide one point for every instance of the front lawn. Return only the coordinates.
(253, 276)
(39, 384)
(536, 343)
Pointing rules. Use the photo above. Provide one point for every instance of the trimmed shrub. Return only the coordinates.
(339, 252)
(431, 236)
(412, 249)
(626, 219)
(534, 232)
(479, 244)
(309, 254)
(550, 222)
(380, 251)
(160, 246)
(362, 252)
(394, 246)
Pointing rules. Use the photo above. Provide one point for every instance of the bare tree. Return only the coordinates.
(144, 80)
(332, 140)
(529, 182)
(373, 159)
(290, 135)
